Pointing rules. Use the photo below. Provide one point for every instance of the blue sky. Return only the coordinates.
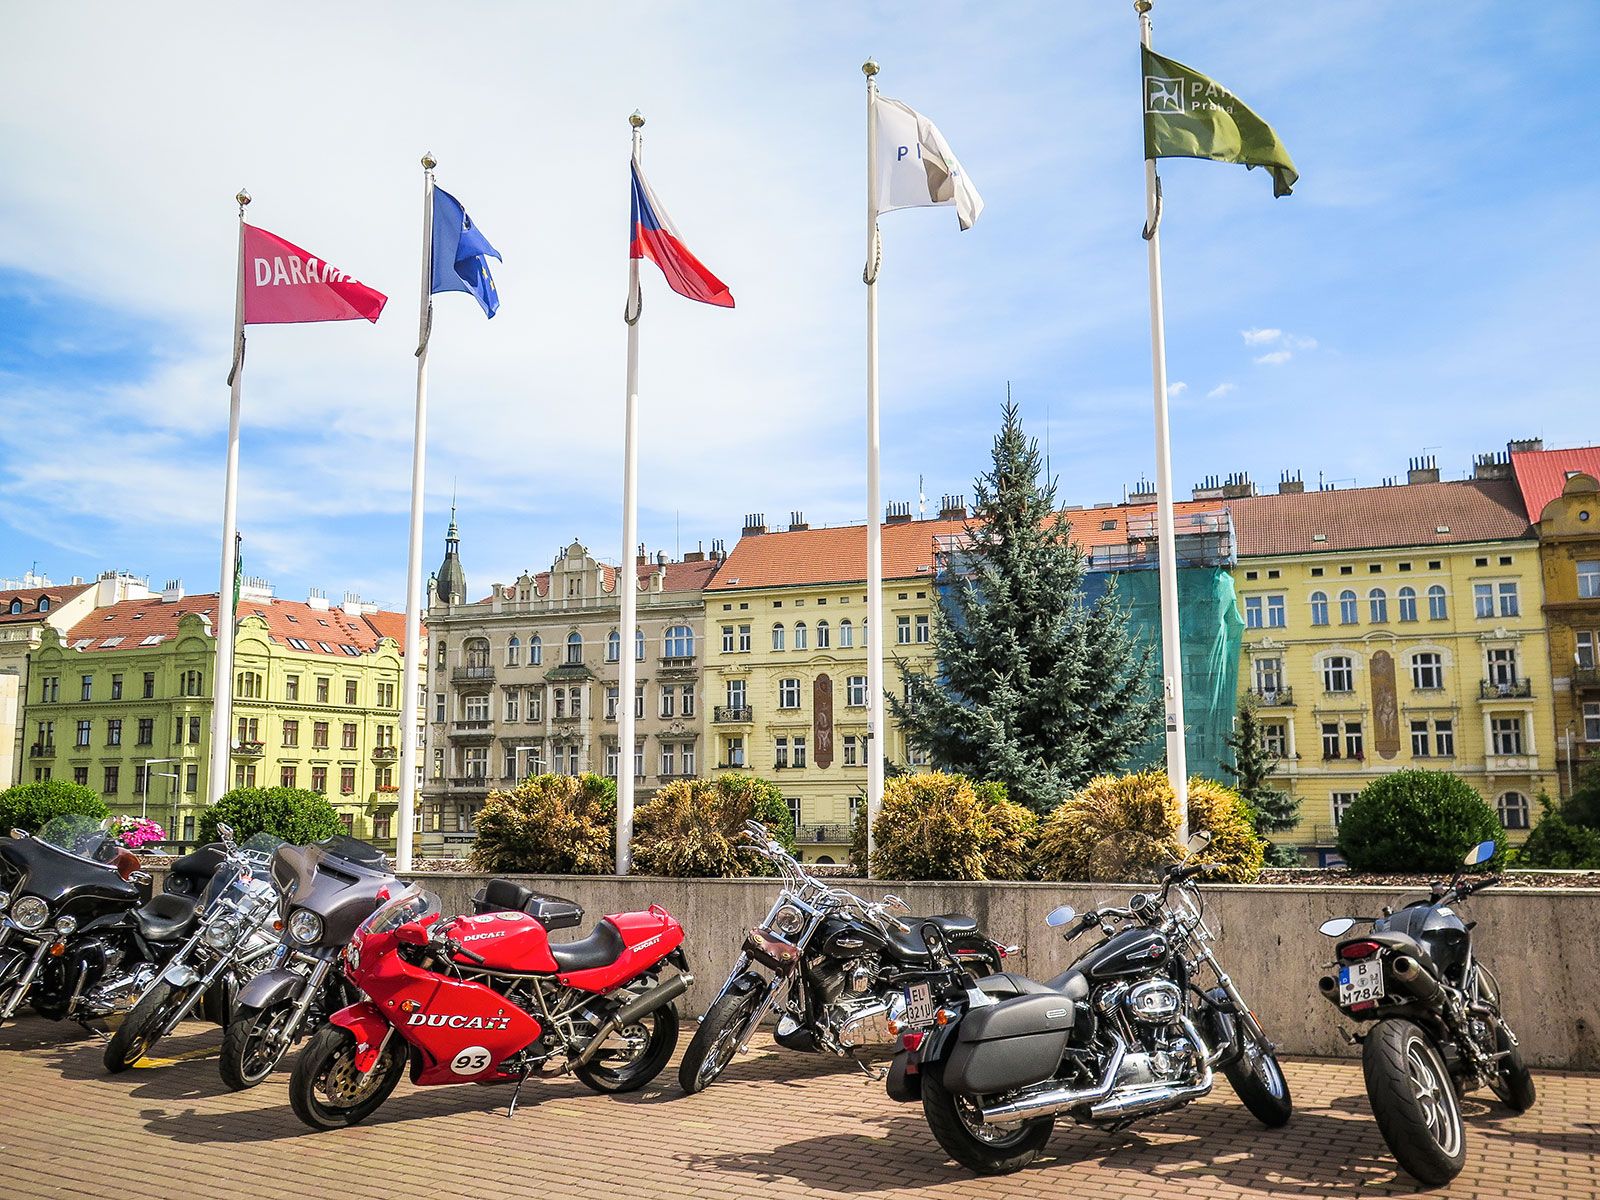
(1428, 287)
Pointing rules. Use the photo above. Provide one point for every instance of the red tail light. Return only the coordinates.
(1357, 950)
(1363, 1006)
(912, 1041)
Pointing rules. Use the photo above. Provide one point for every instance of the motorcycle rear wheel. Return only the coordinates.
(1414, 1100)
(986, 1149)
(660, 1031)
(250, 1050)
(715, 1043)
(327, 1092)
(149, 1022)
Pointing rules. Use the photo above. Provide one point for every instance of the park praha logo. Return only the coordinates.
(1163, 96)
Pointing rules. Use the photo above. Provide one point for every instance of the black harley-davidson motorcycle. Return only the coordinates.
(1433, 1026)
(1123, 1033)
(830, 963)
(81, 935)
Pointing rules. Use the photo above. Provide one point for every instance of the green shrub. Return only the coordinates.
(296, 815)
(1416, 821)
(1008, 854)
(1219, 810)
(1559, 843)
(931, 826)
(1583, 806)
(695, 827)
(549, 825)
(30, 806)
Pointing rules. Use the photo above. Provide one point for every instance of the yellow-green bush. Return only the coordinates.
(931, 826)
(1015, 829)
(695, 827)
(549, 825)
(1235, 845)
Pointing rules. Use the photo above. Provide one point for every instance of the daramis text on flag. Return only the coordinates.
(284, 284)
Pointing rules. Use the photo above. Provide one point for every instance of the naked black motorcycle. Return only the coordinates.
(1433, 1026)
(1123, 1033)
(830, 963)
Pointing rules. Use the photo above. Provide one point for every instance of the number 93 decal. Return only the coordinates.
(474, 1060)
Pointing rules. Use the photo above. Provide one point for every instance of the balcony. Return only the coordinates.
(1509, 689)
(1587, 678)
(249, 749)
(474, 673)
(677, 662)
(385, 753)
(472, 782)
(727, 715)
(824, 835)
(472, 731)
(1274, 698)
(42, 750)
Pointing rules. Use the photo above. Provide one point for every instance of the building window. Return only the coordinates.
(1338, 673)
(1591, 721)
(1503, 668)
(777, 637)
(1583, 655)
(86, 686)
(847, 635)
(916, 756)
(347, 780)
(1354, 745)
(438, 707)
(84, 729)
(514, 651)
(194, 731)
(1589, 579)
(744, 639)
(287, 774)
(1347, 607)
(638, 645)
(110, 787)
(1319, 608)
(192, 684)
(574, 649)
(638, 707)
(1483, 600)
(116, 687)
(799, 752)
(1444, 738)
(323, 683)
(535, 650)
(50, 689)
(291, 734)
(474, 708)
(347, 737)
(1330, 739)
(1408, 603)
(736, 693)
(1427, 671)
(1419, 739)
(1273, 738)
(780, 753)
(923, 629)
(902, 631)
(1269, 678)
(247, 731)
(727, 639)
(1505, 735)
(560, 712)
(850, 744)
(147, 731)
(513, 704)
(824, 636)
(686, 708)
(801, 638)
(735, 747)
(678, 642)
(855, 691)
(1378, 606)
(613, 647)
(1340, 803)
(669, 760)
(536, 704)
(788, 693)
(1438, 610)
(613, 695)
(319, 735)
(1513, 809)
(1507, 595)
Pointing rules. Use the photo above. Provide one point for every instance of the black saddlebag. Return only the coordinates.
(1010, 1044)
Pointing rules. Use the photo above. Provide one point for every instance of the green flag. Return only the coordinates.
(238, 568)
(1187, 115)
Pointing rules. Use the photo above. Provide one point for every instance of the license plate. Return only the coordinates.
(919, 1004)
(1360, 982)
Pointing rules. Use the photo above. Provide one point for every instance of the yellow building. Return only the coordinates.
(786, 660)
(1392, 627)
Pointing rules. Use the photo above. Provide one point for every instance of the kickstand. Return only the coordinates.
(873, 1074)
(516, 1093)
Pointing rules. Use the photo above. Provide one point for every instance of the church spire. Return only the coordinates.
(452, 586)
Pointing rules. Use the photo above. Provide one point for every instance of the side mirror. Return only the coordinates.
(411, 935)
(1337, 927)
(1479, 854)
(1058, 917)
(1199, 840)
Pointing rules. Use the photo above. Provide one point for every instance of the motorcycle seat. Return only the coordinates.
(1071, 983)
(1401, 943)
(166, 918)
(913, 948)
(601, 948)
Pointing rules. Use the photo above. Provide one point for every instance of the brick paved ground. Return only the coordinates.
(781, 1125)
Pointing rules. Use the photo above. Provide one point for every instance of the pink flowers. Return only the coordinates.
(134, 832)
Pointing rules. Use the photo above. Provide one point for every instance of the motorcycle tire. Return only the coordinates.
(1414, 1101)
(330, 1058)
(715, 1043)
(1514, 1083)
(957, 1128)
(149, 1021)
(660, 1042)
(1264, 1089)
(244, 1045)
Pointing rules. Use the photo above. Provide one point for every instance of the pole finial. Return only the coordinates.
(429, 162)
(636, 120)
(242, 197)
(1143, 6)
(869, 68)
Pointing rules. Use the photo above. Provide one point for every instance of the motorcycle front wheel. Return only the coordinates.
(255, 1044)
(717, 1040)
(1259, 1081)
(326, 1090)
(1414, 1101)
(150, 1020)
(636, 1054)
(986, 1149)
(1514, 1082)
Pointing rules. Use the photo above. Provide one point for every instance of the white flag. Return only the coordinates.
(916, 168)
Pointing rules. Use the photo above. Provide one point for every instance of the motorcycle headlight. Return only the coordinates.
(220, 934)
(30, 913)
(5, 901)
(66, 925)
(788, 920)
(305, 926)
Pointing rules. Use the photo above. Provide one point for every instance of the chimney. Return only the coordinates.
(1390, 481)
(797, 521)
(1143, 492)
(754, 524)
(719, 549)
(1290, 485)
(898, 512)
(317, 599)
(1494, 465)
(1209, 488)
(173, 592)
(1422, 469)
(641, 558)
(952, 508)
(661, 558)
(698, 554)
(1524, 445)
(1237, 486)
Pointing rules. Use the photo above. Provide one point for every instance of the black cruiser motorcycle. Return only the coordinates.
(830, 963)
(1434, 1030)
(1123, 1033)
(81, 937)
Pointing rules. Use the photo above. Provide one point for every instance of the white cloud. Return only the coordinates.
(1221, 390)
(1260, 337)
(1275, 358)
(1296, 342)
(1174, 390)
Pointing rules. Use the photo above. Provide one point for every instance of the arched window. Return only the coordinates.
(1319, 608)
(638, 645)
(678, 642)
(1347, 608)
(514, 651)
(847, 634)
(1378, 603)
(777, 637)
(1408, 604)
(800, 638)
(613, 646)
(574, 649)
(477, 650)
(44, 603)
(824, 637)
(1437, 610)
(535, 650)
(16, 607)
(1513, 808)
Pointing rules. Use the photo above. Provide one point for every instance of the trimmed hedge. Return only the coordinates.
(695, 827)
(31, 806)
(1416, 821)
(549, 825)
(296, 815)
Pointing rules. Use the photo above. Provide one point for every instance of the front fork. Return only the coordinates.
(753, 1022)
(26, 981)
(1257, 1039)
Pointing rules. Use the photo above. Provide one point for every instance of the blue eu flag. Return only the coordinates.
(461, 253)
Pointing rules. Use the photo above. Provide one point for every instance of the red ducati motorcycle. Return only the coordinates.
(490, 999)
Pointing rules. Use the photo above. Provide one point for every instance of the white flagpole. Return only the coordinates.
(877, 742)
(1166, 534)
(222, 678)
(411, 669)
(627, 571)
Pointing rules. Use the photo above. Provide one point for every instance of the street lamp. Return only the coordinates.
(533, 758)
(172, 788)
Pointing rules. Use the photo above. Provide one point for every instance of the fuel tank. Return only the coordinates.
(507, 941)
(1131, 952)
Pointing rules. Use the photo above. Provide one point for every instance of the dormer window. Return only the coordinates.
(44, 603)
(16, 608)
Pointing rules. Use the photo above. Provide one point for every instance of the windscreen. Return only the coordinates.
(416, 903)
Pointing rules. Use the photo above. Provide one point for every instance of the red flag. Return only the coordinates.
(284, 284)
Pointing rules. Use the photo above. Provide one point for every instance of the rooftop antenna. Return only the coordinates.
(922, 501)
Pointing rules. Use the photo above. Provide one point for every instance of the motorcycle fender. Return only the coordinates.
(937, 1042)
(746, 983)
(271, 987)
(904, 1082)
(181, 975)
(367, 1023)
(12, 962)
(1222, 1027)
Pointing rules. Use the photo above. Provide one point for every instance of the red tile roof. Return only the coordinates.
(133, 623)
(30, 598)
(1542, 474)
(1468, 510)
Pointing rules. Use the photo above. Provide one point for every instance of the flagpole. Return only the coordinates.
(222, 679)
(627, 570)
(411, 668)
(877, 742)
(1166, 532)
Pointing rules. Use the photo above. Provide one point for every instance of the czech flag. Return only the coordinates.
(653, 236)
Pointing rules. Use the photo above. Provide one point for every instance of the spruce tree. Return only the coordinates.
(1033, 686)
(1273, 809)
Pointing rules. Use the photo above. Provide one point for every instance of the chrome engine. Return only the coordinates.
(117, 993)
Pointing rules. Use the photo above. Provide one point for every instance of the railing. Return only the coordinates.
(484, 672)
(42, 750)
(1325, 835)
(249, 749)
(472, 729)
(832, 835)
(733, 766)
(469, 781)
(677, 660)
(726, 715)
(385, 753)
(1586, 677)
(1511, 689)
(1273, 698)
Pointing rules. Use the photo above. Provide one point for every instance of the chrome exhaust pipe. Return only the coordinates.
(1151, 1099)
(1414, 978)
(657, 997)
(1054, 1100)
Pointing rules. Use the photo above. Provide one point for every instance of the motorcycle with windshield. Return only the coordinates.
(1123, 1033)
(831, 963)
(488, 998)
(1434, 1027)
(81, 937)
(230, 944)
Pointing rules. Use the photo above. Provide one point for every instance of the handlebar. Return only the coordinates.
(1179, 873)
(1477, 885)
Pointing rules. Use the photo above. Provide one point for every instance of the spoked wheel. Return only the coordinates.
(986, 1149)
(256, 1041)
(716, 1041)
(1414, 1101)
(1514, 1083)
(634, 1054)
(1259, 1081)
(326, 1090)
(151, 1020)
